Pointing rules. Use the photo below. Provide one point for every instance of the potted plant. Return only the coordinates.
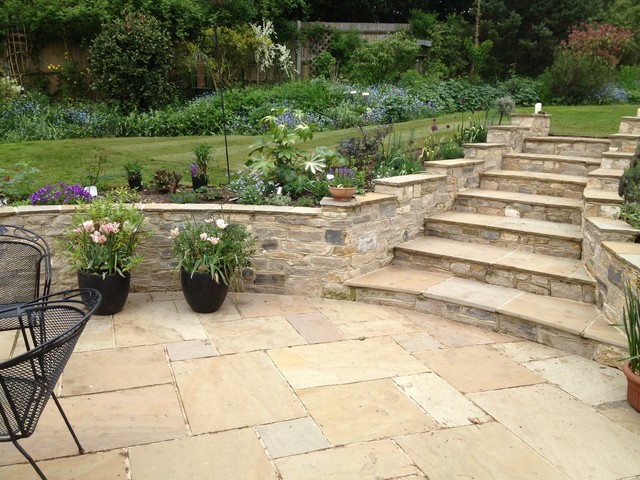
(343, 182)
(208, 253)
(631, 324)
(101, 246)
(133, 171)
(199, 177)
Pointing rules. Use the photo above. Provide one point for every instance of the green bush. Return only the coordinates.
(130, 61)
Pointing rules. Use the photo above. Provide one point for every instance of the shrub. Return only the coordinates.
(9, 88)
(60, 194)
(18, 187)
(130, 60)
(165, 181)
(505, 106)
(250, 188)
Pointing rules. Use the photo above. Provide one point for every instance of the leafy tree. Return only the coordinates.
(607, 42)
(130, 60)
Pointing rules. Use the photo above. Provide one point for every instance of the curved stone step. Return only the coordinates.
(566, 145)
(549, 163)
(520, 205)
(535, 183)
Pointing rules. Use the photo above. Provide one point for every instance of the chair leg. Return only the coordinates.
(28, 457)
(73, 434)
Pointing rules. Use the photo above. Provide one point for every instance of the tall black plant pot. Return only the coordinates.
(199, 181)
(114, 289)
(202, 292)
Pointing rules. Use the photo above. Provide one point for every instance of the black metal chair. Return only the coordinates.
(51, 327)
(25, 269)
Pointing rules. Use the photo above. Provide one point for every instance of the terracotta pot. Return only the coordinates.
(201, 291)
(633, 386)
(114, 289)
(342, 194)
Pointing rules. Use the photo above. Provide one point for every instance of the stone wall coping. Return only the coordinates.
(531, 115)
(625, 136)
(631, 119)
(368, 198)
(627, 252)
(456, 162)
(554, 139)
(484, 146)
(412, 179)
(509, 128)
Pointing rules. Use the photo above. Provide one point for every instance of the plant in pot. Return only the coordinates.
(133, 171)
(631, 325)
(101, 246)
(199, 177)
(343, 183)
(208, 253)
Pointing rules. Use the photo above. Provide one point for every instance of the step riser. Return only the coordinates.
(623, 145)
(518, 210)
(603, 183)
(615, 163)
(536, 187)
(575, 148)
(524, 241)
(499, 275)
(547, 166)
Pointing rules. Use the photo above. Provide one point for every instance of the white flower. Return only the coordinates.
(214, 240)
(221, 224)
(330, 176)
(88, 226)
(208, 220)
(174, 232)
(203, 236)
(365, 94)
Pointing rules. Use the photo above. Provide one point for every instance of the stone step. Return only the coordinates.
(572, 146)
(539, 162)
(575, 327)
(630, 125)
(536, 183)
(537, 236)
(528, 272)
(624, 143)
(604, 179)
(602, 203)
(520, 205)
(617, 160)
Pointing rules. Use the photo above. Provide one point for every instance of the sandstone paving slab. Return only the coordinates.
(190, 349)
(226, 312)
(365, 461)
(522, 352)
(257, 333)
(472, 294)
(95, 466)
(357, 320)
(344, 362)
(267, 305)
(441, 401)
(477, 368)
(97, 334)
(399, 279)
(7, 342)
(445, 247)
(417, 342)
(155, 323)
(574, 437)
(542, 264)
(314, 327)
(232, 455)
(104, 421)
(487, 451)
(588, 381)
(602, 330)
(233, 391)
(292, 437)
(364, 411)
(566, 315)
(623, 414)
(108, 370)
(456, 334)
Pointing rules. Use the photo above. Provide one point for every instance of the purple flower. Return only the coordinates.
(434, 127)
(194, 169)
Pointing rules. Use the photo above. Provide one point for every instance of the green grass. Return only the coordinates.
(71, 160)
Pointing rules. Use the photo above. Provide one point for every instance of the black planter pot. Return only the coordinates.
(114, 289)
(201, 291)
(198, 182)
(135, 184)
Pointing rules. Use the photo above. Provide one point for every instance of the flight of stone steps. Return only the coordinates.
(509, 255)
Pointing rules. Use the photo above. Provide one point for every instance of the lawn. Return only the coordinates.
(72, 160)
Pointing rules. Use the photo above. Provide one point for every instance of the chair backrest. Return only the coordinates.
(25, 265)
(27, 380)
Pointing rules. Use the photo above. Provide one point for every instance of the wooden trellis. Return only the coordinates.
(18, 53)
(315, 47)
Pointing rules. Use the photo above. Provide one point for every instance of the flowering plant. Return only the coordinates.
(60, 194)
(343, 177)
(202, 152)
(104, 236)
(213, 246)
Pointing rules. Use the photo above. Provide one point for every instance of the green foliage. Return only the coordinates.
(505, 106)
(325, 65)
(631, 323)
(366, 150)
(213, 246)
(630, 213)
(165, 181)
(20, 185)
(202, 152)
(130, 60)
(574, 77)
(9, 88)
(250, 188)
(133, 170)
(382, 61)
(398, 158)
(104, 237)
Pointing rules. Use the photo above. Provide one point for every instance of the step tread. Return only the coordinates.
(527, 225)
(506, 258)
(598, 195)
(528, 198)
(531, 175)
(554, 157)
(606, 173)
(577, 318)
(567, 138)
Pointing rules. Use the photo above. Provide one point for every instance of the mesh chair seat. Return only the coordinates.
(52, 326)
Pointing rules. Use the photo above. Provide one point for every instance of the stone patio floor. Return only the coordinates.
(282, 387)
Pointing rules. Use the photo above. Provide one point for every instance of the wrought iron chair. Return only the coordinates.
(51, 327)
(25, 269)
